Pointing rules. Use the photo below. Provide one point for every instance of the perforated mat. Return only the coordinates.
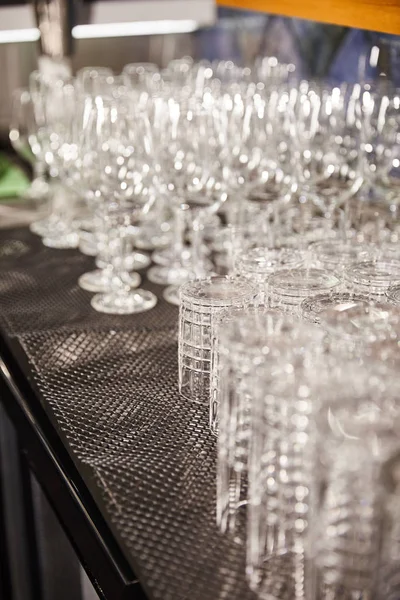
(110, 384)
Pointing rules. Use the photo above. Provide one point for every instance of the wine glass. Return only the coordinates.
(323, 170)
(24, 140)
(187, 162)
(54, 109)
(115, 156)
(379, 123)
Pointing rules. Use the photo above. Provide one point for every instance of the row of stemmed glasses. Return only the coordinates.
(222, 139)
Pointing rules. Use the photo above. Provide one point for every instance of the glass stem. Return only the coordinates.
(39, 170)
(197, 246)
(178, 228)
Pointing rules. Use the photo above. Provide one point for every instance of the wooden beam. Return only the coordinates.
(377, 15)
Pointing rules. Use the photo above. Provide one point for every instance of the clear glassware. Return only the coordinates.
(279, 462)
(23, 138)
(136, 77)
(372, 278)
(121, 220)
(393, 294)
(115, 150)
(90, 80)
(242, 342)
(54, 104)
(200, 302)
(324, 176)
(312, 307)
(354, 325)
(188, 160)
(379, 124)
(287, 289)
(379, 63)
(357, 438)
(336, 255)
(258, 263)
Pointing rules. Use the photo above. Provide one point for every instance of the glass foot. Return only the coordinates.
(171, 294)
(168, 275)
(124, 304)
(153, 242)
(43, 227)
(132, 262)
(37, 190)
(88, 243)
(102, 281)
(63, 241)
(167, 256)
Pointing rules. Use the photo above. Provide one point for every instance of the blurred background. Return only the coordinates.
(115, 32)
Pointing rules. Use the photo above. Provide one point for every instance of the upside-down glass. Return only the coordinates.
(353, 520)
(279, 473)
(257, 264)
(287, 289)
(372, 279)
(201, 301)
(241, 343)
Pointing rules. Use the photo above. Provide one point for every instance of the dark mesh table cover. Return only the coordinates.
(109, 385)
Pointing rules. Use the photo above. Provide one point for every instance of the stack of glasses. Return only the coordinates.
(301, 376)
(200, 162)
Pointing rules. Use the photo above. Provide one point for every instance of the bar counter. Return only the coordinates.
(127, 465)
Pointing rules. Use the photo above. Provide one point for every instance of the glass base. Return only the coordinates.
(102, 281)
(43, 227)
(171, 294)
(167, 256)
(168, 275)
(88, 243)
(37, 190)
(63, 241)
(132, 262)
(124, 304)
(153, 242)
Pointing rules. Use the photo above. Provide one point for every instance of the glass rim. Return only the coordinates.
(393, 294)
(276, 282)
(312, 306)
(376, 273)
(210, 291)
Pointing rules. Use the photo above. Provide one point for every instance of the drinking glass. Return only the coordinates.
(115, 155)
(92, 80)
(279, 459)
(287, 289)
(54, 104)
(257, 264)
(355, 324)
(379, 124)
(137, 77)
(336, 255)
(357, 436)
(372, 278)
(242, 342)
(324, 175)
(23, 138)
(121, 219)
(187, 162)
(393, 294)
(200, 303)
